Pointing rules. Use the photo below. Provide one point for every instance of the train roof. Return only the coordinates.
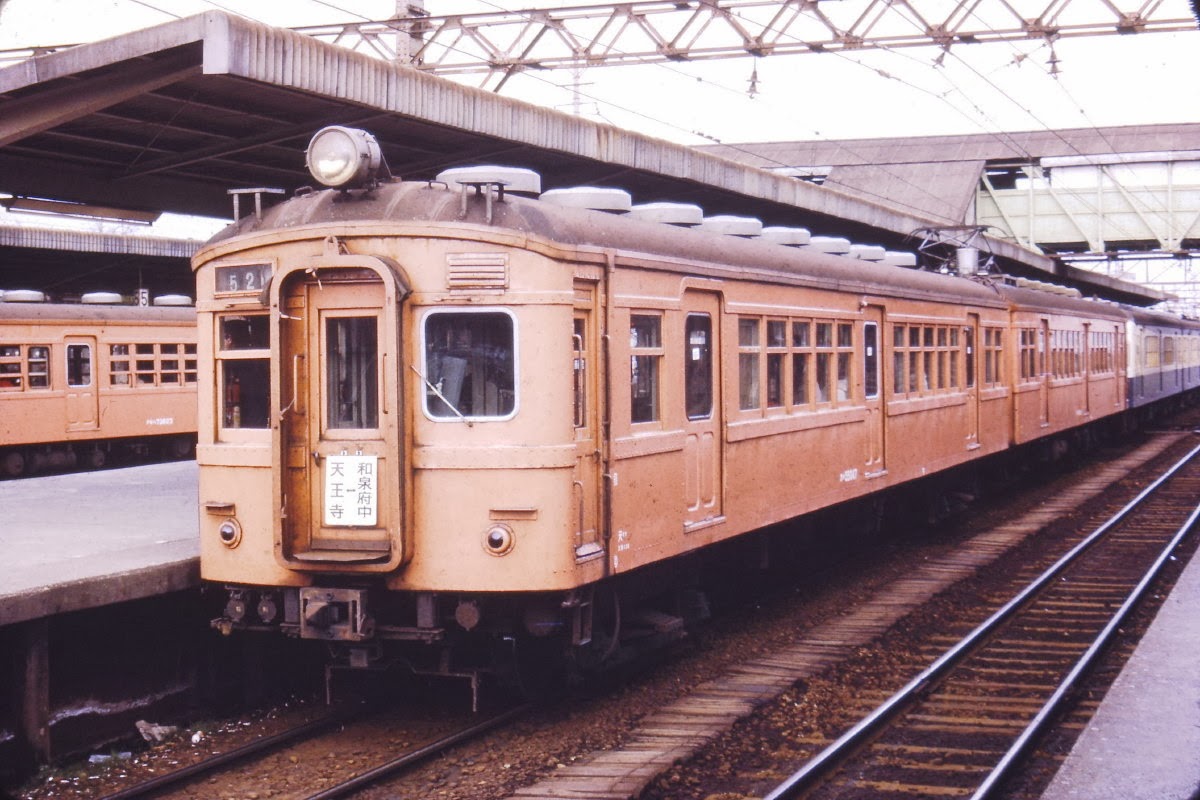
(1145, 316)
(79, 312)
(429, 205)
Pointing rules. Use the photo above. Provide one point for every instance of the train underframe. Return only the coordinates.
(20, 460)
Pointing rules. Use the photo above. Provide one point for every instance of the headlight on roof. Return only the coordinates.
(343, 158)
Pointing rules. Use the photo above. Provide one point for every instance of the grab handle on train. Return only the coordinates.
(295, 384)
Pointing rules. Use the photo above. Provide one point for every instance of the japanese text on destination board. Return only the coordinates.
(351, 496)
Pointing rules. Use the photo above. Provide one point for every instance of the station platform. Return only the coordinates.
(1144, 741)
(84, 540)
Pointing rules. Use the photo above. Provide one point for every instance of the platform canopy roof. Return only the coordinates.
(172, 117)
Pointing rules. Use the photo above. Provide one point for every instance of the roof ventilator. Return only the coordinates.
(491, 182)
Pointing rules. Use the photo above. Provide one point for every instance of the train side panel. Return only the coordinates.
(129, 374)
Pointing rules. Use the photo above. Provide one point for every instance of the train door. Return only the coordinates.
(702, 451)
(876, 464)
(971, 378)
(586, 412)
(83, 403)
(341, 481)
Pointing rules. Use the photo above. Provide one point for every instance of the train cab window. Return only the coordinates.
(79, 365)
(351, 372)
(645, 343)
(470, 364)
(698, 381)
(244, 371)
(748, 348)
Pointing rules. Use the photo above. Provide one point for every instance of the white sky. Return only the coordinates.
(1104, 81)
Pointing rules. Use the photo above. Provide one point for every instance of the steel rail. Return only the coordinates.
(854, 737)
(1006, 763)
(266, 743)
(414, 757)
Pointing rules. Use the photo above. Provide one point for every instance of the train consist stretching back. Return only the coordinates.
(80, 382)
(438, 421)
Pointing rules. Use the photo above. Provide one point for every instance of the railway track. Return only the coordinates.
(963, 725)
(244, 757)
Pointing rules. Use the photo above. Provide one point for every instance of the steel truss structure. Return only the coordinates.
(501, 44)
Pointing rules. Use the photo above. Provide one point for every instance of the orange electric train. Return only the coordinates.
(82, 383)
(441, 423)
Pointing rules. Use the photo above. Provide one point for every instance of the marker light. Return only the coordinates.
(343, 158)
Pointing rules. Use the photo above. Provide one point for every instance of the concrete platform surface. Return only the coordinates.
(90, 539)
(1144, 741)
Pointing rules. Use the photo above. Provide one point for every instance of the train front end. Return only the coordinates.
(387, 454)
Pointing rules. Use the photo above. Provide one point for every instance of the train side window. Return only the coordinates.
(952, 356)
(579, 371)
(801, 342)
(118, 365)
(871, 360)
(189, 363)
(10, 368)
(845, 344)
(470, 364)
(645, 342)
(79, 365)
(698, 384)
(244, 371)
(145, 365)
(37, 366)
(776, 354)
(748, 349)
(1028, 355)
(824, 363)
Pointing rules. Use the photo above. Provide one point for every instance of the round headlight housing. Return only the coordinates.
(230, 532)
(499, 540)
(343, 158)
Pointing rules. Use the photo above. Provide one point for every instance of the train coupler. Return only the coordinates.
(335, 614)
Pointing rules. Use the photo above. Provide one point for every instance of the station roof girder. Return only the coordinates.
(170, 118)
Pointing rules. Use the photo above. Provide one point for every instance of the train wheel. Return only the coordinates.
(12, 464)
(95, 458)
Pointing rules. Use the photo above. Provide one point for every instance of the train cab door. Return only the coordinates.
(876, 463)
(703, 453)
(970, 349)
(337, 383)
(586, 487)
(83, 402)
